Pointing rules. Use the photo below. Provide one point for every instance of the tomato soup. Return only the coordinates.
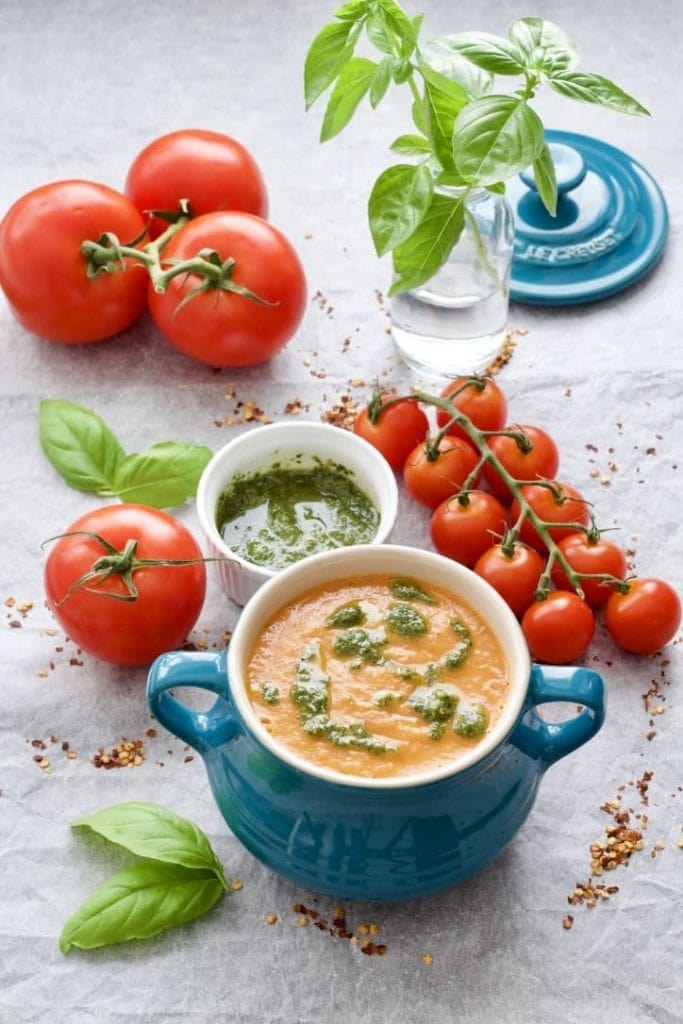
(378, 676)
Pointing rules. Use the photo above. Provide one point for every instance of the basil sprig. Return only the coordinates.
(179, 879)
(89, 457)
(467, 136)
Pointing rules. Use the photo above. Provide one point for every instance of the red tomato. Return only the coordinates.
(514, 576)
(542, 462)
(644, 619)
(569, 508)
(559, 628)
(590, 556)
(169, 599)
(485, 405)
(219, 327)
(464, 531)
(43, 271)
(431, 481)
(212, 171)
(396, 432)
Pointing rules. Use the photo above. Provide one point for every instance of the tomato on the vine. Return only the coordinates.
(645, 618)
(481, 401)
(562, 505)
(586, 554)
(43, 271)
(220, 327)
(558, 628)
(463, 528)
(431, 478)
(396, 431)
(540, 462)
(169, 598)
(515, 574)
(210, 170)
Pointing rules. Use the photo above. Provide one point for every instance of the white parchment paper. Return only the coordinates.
(84, 87)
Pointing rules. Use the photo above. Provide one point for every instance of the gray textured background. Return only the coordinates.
(84, 87)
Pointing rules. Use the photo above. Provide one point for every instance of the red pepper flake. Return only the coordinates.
(127, 754)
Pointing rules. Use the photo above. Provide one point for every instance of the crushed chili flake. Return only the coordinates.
(506, 352)
(342, 413)
(339, 928)
(127, 754)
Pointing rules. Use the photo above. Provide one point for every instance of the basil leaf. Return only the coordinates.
(495, 138)
(419, 116)
(80, 445)
(376, 28)
(350, 88)
(411, 145)
(588, 88)
(443, 100)
(326, 56)
(400, 23)
(544, 46)
(425, 252)
(162, 476)
(354, 10)
(398, 202)
(546, 182)
(452, 179)
(151, 831)
(487, 51)
(139, 902)
(441, 56)
(381, 81)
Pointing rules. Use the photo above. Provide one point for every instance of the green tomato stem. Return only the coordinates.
(526, 512)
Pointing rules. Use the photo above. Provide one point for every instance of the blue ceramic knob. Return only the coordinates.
(609, 228)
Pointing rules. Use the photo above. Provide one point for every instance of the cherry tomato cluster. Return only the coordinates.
(498, 507)
(186, 239)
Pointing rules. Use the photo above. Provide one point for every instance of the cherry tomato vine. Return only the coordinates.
(551, 539)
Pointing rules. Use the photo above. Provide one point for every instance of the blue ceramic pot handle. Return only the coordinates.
(204, 670)
(549, 741)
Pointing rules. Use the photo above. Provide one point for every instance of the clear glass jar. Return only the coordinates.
(455, 323)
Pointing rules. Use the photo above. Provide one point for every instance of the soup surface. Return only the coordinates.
(378, 676)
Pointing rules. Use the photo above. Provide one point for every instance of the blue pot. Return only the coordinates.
(348, 837)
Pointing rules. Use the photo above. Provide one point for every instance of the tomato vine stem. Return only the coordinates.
(543, 527)
(108, 255)
(118, 563)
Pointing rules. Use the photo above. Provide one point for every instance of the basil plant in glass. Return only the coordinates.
(440, 209)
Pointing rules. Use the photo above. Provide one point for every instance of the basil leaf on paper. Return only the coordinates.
(89, 457)
(180, 879)
(162, 476)
(155, 832)
(138, 903)
(80, 445)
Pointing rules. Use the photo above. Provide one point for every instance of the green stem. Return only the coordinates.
(526, 512)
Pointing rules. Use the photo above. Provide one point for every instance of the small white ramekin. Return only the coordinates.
(262, 447)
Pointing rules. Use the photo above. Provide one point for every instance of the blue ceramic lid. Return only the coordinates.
(610, 228)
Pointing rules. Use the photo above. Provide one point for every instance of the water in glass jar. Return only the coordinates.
(455, 323)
